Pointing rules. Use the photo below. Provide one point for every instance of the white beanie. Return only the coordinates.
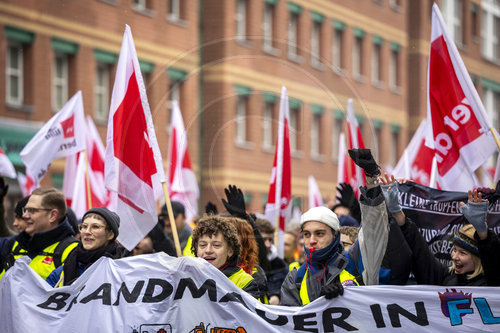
(323, 215)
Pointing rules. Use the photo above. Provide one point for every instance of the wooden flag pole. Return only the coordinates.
(495, 137)
(172, 221)
(277, 229)
(87, 180)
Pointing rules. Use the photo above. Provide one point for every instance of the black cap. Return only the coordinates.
(111, 218)
(177, 208)
(20, 205)
(73, 221)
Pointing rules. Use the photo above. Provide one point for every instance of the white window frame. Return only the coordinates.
(338, 37)
(394, 60)
(267, 26)
(59, 81)
(452, 13)
(11, 72)
(316, 43)
(174, 10)
(293, 24)
(141, 5)
(490, 39)
(294, 115)
(241, 119)
(315, 136)
(241, 20)
(267, 126)
(357, 57)
(376, 71)
(101, 109)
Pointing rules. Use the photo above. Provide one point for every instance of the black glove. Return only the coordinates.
(332, 290)
(211, 208)
(347, 198)
(235, 203)
(4, 188)
(364, 159)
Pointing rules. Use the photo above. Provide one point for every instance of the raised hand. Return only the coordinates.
(476, 210)
(235, 203)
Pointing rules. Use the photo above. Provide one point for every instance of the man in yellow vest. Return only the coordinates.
(48, 236)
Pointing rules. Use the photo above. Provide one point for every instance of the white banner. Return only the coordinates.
(153, 292)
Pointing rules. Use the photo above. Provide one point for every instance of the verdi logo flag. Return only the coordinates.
(26, 183)
(190, 295)
(460, 128)
(61, 136)
(280, 189)
(182, 183)
(133, 164)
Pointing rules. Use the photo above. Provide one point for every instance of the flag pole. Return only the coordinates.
(495, 136)
(87, 179)
(172, 220)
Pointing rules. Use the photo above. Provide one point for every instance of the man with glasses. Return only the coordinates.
(48, 236)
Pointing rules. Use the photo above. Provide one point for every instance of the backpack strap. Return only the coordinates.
(59, 250)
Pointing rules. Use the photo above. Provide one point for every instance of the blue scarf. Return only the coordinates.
(325, 256)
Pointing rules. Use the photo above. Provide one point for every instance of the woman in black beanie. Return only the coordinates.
(99, 229)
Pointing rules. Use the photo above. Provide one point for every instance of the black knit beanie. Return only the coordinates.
(20, 205)
(111, 218)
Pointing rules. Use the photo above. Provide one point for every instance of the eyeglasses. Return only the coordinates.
(93, 227)
(32, 211)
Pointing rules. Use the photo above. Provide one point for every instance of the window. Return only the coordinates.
(316, 136)
(140, 5)
(174, 91)
(452, 14)
(241, 20)
(377, 139)
(376, 65)
(241, 119)
(474, 22)
(59, 81)
(316, 44)
(176, 78)
(174, 10)
(101, 92)
(293, 24)
(14, 74)
(357, 57)
(394, 71)
(268, 27)
(393, 150)
(491, 98)
(294, 128)
(337, 49)
(490, 46)
(267, 126)
(336, 131)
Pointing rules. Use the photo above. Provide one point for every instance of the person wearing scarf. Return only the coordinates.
(323, 273)
(215, 239)
(99, 229)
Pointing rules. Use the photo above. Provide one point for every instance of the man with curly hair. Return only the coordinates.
(215, 239)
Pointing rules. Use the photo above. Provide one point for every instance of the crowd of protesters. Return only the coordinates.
(365, 242)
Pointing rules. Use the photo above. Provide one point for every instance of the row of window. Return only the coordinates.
(316, 131)
(19, 43)
(317, 51)
(145, 7)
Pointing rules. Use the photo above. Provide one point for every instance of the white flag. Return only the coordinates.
(6, 167)
(315, 199)
(61, 136)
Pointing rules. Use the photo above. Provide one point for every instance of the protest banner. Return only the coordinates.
(190, 295)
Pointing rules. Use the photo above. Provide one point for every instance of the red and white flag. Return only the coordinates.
(356, 176)
(416, 162)
(460, 128)
(133, 167)
(315, 199)
(182, 183)
(26, 183)
(280, 189)
(75, 175)
(61, 136)
(6, 167)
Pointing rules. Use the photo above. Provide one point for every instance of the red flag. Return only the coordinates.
(357, 177)
(182, 183)
(280, 189)
(460, 128)
(60, 137)
(133, 167)
(416, 162)
(315, 199)
(6, 167)
(26, 183)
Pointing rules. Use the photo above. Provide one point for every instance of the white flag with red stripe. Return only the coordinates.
(133, 167)
(182, 183)
(315, 199)
(280, 190)
(61, 136)
(416, 162)
(356, 176)
(6, 166)
(26, 183)
(460, 128)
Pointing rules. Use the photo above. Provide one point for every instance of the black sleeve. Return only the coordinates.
(263, 261)
(489, 252)
(4, 229)
(397, 256)
(426, 268)
(161, 243)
